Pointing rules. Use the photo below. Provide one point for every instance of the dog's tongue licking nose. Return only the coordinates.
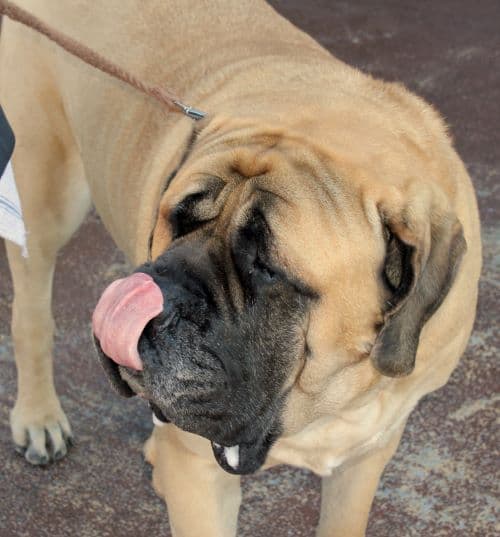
(121, 314)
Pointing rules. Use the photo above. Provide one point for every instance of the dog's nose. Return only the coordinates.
(166, 319)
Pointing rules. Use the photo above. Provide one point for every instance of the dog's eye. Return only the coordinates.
(188, 214)
(264, 272)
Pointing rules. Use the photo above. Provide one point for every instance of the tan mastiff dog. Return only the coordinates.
(309, 254)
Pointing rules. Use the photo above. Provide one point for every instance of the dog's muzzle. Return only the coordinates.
(159, 335)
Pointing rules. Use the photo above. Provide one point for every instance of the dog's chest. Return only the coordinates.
(329, 442)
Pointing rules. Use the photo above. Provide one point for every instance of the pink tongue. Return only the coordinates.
(124, 309)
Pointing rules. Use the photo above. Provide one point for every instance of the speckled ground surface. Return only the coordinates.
(443, 480)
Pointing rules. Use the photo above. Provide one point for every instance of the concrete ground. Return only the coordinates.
(442, 480)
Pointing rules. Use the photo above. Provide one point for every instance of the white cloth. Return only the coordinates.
(11, 215)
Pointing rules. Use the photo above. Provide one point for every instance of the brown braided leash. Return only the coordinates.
(163, 95)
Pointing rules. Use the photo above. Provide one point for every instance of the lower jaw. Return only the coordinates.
(236, 460)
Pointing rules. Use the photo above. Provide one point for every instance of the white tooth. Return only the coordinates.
(157, 422)
(232, 455)
(216, 445)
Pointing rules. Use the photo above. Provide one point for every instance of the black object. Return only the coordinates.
(7, 142)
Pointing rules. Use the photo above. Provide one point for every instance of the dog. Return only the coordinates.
(307, 256)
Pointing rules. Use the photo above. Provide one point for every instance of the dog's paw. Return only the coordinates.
(41, 433)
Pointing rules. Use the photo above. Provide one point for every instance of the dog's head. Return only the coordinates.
(283, 271)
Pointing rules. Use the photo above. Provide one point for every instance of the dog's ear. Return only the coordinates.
(425, 244)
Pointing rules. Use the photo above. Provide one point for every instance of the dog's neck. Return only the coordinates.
(128, 144)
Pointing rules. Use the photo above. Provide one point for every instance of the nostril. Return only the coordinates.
(167, 318)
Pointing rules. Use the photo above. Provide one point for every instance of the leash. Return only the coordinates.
(164, 96)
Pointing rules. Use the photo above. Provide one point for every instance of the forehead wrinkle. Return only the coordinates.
(245, 197)
(272, 195)
(335, 194)
(242, 137)
(322, 178)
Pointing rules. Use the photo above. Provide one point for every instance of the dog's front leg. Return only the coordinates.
(347, 495)
(202, 499)
(55, 199)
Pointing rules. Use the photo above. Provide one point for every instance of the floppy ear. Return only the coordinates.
(425, 244)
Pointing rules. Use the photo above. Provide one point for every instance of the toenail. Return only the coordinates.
(20, 449)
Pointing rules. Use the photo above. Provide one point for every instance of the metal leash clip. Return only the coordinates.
(190, 112)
